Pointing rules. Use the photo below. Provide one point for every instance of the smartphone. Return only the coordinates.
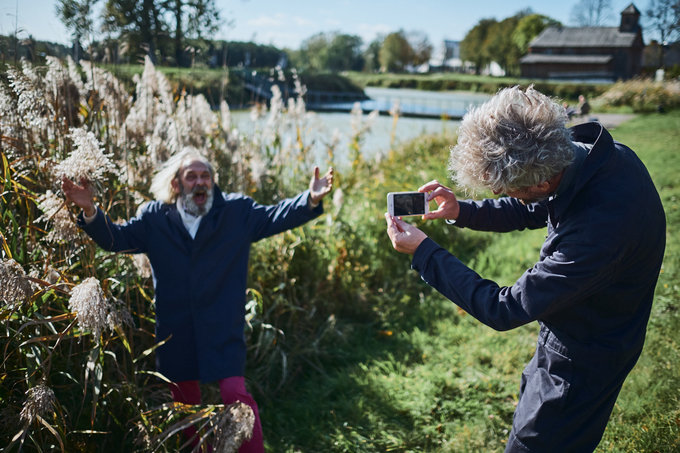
(402, 204)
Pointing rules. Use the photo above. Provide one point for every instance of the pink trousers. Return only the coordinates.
(232, 389)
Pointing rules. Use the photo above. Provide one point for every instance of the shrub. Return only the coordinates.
(643, 95)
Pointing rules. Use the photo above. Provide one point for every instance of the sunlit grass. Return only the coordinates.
(443, 382)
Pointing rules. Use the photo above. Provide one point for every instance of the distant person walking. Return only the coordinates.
(592, 287)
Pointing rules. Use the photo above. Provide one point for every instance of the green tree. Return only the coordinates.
(474, 46)
(344, 53)
(161, 28)
(76, 15)
(192, 19)
(313, 52)
(372, 55)
(501, 49)
(396, 52)
(421, 46)
(140, 24)
(529, 27)
(332, 51)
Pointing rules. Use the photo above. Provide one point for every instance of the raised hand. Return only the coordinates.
(80, 195)
(320, 187)
(447, 203)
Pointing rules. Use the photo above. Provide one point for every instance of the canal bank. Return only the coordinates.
(410, 103)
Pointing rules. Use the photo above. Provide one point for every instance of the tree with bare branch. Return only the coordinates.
(591, 13)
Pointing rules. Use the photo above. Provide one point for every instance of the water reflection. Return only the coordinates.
(423, 103)
(323, 129)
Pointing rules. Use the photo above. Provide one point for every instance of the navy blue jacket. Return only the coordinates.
(591, 290)
(200, 283)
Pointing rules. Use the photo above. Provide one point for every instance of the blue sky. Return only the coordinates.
(287, 23)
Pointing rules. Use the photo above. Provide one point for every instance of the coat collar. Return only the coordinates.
(176, 219)
(601, 149)
(218, 199)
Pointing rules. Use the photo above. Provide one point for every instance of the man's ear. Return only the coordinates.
(541, 189)
(543, 186)
(175, 185)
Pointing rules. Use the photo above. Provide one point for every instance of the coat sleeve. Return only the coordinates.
(501, 215)
(265, 221)
(129, 237)
(573, 272)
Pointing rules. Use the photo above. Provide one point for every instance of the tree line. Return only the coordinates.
(504, 42)
(176, 33)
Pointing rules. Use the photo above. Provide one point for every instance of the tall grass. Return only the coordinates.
(77, 366)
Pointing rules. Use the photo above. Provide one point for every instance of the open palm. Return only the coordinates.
(319, 187)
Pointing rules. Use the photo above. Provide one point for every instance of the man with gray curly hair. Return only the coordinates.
(592, 287)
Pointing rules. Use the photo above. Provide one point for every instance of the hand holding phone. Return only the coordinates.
(404, 204)
(405, 237)
(447, 203)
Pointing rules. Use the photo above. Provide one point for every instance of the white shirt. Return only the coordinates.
(190, 221)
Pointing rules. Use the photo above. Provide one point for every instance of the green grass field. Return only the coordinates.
(434, 379)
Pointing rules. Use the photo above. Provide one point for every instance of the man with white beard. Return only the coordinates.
(198, 241)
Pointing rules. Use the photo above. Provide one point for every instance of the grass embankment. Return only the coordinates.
(218, 83)
(430, 378)
(451, 81)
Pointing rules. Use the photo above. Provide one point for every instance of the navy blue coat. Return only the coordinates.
(200, 283)
(591, 290)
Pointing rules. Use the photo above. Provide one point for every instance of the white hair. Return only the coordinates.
(517, 139)
(161, 185)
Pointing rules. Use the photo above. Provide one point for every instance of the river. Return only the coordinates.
(384, 132)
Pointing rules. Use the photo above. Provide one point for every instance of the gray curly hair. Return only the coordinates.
(516, 139)
(161, 185)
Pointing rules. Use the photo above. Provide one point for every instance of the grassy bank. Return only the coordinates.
(430, 378)
(447, 81)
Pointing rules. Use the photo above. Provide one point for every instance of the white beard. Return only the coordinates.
(191, 207)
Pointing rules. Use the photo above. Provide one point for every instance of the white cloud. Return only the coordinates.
(279, 20)
(266, 21)
(369, 32)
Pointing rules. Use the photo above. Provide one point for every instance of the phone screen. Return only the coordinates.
(409, 204)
